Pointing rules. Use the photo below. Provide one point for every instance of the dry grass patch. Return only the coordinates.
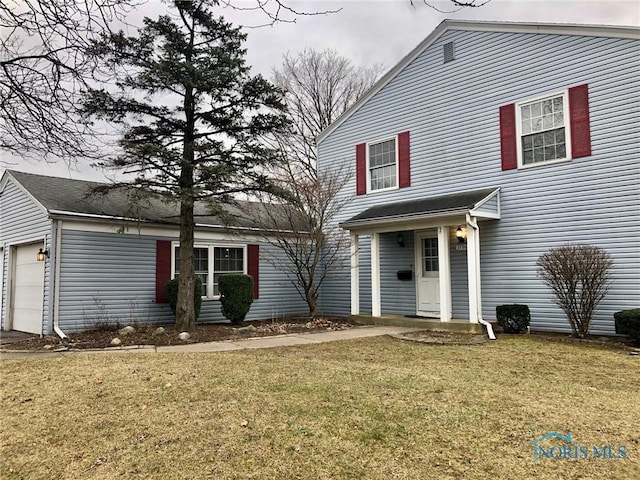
(367, 409)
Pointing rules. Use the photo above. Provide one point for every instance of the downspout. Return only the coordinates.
(57, 226)
(474, 224)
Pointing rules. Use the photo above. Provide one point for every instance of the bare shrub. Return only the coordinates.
(579, 277)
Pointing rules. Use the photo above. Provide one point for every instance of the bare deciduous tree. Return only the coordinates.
(44, 67)
(456, 4)
(319, 87)
(312, 243)
(579, 277)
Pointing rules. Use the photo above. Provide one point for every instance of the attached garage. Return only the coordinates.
(27, 288)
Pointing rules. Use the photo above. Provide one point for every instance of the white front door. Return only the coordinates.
(427, 275)
(27, 289)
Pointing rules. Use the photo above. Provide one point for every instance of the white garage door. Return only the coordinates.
(27, 289)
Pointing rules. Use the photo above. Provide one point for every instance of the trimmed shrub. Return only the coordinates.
(172, 295)
(628, 323)
(513, 318)
(236, 295)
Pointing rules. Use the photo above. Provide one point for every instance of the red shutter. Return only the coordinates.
(163, 269)
(508, 137)
(361, 169)
(404, 164)
(253, 267)
(579, 117)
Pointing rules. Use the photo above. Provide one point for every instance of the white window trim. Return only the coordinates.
(210, 257)
(375, 142)
(567, 129)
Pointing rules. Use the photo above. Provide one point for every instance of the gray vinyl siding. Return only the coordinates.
(22, 221)
(451, 111)
(397, 296)
(459, 279)
(110, 279)
(278, 296)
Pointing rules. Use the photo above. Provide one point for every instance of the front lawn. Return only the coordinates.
(368, 409)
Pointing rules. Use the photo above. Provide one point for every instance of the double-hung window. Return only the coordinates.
(545, 130)
(382, 165)
(543, 134)
(211, 261)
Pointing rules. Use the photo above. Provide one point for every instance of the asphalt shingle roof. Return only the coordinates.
(78, 197)
(443, 204)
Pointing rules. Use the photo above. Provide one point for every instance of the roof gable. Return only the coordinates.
(479, 26)
(9, 177)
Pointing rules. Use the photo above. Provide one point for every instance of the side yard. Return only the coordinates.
(368, 409)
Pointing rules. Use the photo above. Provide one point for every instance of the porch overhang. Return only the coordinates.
(430, 217)
(482, 204)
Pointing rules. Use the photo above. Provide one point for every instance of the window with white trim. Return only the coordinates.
(382, 164)
(543, 129)
(211, 261)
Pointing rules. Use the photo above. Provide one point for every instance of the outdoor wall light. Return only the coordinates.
(400, 240)
(460, 235)
(42, 255)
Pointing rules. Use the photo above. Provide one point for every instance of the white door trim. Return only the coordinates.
(419, 237)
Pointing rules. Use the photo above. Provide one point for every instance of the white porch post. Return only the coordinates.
(375, 275)
(355, 275)
(444, 274)
(473, 265)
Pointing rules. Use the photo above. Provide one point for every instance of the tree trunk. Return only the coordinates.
(185, 309)
(312, 302)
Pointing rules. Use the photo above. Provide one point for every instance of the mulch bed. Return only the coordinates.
(443, 338)
(214, 332)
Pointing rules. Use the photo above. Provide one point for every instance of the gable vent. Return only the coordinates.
(448, 51)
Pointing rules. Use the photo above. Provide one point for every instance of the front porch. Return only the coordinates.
(421, 252)
(390, 319)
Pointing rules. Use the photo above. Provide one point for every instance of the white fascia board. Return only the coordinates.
(631, 32)
(107, 218)
(576, 29)
(487, 198)
(477, 210)
(405, 222)
(157, 230)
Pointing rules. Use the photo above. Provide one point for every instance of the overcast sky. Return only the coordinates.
(372, 31)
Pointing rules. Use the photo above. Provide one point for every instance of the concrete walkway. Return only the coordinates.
(288, 340)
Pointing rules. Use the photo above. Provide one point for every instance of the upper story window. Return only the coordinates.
(543, 130)
(383, 165)
(211, 261)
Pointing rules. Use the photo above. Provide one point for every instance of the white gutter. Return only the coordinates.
(56, 285)
(98, 217)
(474, 224)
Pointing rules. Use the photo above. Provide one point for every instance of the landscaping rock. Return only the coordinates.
(126, 331)
(48, 347)
(249, 329)
(116, 342)
(159, 331)
(184, 336)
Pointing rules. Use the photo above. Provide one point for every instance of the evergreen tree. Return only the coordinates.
(193, 117)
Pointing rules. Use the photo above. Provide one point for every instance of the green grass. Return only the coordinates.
(366, 409)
